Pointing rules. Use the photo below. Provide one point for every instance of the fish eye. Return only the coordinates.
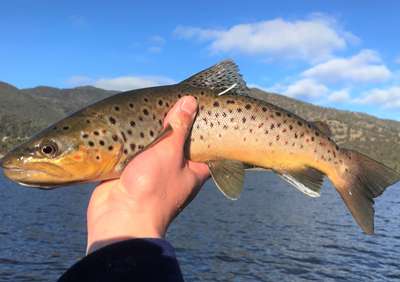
(49, 149)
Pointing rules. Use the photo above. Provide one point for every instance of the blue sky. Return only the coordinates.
(342, 54)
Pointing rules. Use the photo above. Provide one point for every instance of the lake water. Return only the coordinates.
(272, 233)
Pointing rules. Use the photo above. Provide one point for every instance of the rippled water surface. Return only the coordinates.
(272, 233)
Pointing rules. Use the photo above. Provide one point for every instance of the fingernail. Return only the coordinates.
(189, 106)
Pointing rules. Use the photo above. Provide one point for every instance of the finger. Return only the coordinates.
(181, 118)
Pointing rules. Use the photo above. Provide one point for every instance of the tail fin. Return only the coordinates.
(364, 180)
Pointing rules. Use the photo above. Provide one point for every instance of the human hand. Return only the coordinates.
(152, 190)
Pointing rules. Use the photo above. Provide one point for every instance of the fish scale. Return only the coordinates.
(231, 131)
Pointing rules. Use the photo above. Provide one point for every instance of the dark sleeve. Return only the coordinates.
(130, 260)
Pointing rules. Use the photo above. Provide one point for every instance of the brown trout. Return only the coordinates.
(231, 131)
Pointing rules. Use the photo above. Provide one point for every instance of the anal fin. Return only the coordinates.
(306, 180)
(228, 175)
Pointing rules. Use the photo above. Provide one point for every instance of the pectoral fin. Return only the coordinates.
(228, 175)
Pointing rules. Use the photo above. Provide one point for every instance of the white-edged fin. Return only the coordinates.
(307, 180)
(222, 77)
(228, 175)
(227, 90)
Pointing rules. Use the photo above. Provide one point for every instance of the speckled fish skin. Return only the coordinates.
(97, 142)
(104, 135)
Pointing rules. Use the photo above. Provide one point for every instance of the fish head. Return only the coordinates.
(65, 153)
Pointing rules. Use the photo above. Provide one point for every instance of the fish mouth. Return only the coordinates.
(47, 177)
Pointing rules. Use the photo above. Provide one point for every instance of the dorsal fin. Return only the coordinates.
(224, 77)
(323, 127)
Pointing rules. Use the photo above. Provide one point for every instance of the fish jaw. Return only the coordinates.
(78, 166)
(28, 173)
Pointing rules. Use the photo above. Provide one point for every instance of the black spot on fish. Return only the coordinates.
(312, 138)
(264, 109)
(132, 123)
(277, 137)
(272, 126)
(87, 121)
(248, 107)
(211, 125)
(316, 133)
(66, 127)
(243, 119)
(85, 135)
(230, 111)
(160, 102)
(300, 123)
(145, 99)
(142, 134)
(140, 118)
(253, 118)
(289, 115)
(123, 136)
(230, 102)
(251, 130)
(154, 117)
(145, 112)
(219, 135)
(239, 110)
(232, 119)
(116, 108)
(115, 138)
(112, 120)
(96, 133)
(266, 132)
(216, 104)
(101, 142)
(290, 127)
(151, 133)
(202, 93)
(201, 137)
(209, 113)
(140, 147)
(309, 125)
(225, 126)
(91, 143)
(296, 136)
(337, 148)
(125, 151)
(133, 146)
(131, 105)
(110, 148)
(179, 96)
(167, 105)
(216, 114)
(97, 157)
(223, 114)
(278, 114)
(160, 122)
(129, 132)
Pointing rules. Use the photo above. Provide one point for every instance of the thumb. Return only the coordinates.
(181, 118)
